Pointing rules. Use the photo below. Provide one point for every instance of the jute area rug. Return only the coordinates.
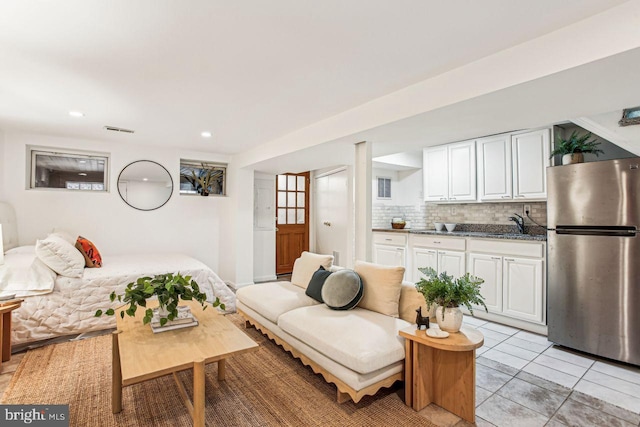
(263, 388)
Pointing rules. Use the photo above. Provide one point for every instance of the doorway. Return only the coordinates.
(292, 221)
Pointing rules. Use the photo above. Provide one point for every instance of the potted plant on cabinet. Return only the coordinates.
(168, 288)
(448, 294)
(573, 148)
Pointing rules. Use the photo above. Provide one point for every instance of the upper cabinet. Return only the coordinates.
(494, 168)
(530, 153)
(450, 172)
(512, 166)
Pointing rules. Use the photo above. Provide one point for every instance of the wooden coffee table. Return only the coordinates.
(6, 307)
(140, 355)
(442, 370)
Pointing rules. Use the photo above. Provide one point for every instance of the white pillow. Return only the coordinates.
(60, 256)
(64, 235)
(306, 265)
(382, 287)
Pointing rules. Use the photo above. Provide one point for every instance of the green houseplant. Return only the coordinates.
(448, 294)
(571, 149)
(168, 288)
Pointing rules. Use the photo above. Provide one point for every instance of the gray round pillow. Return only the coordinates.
(342, 290)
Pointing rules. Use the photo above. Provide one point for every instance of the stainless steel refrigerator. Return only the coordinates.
(593, 214)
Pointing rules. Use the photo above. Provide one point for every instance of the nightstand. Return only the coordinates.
(6, 308)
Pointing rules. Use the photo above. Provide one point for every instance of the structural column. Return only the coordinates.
(362, 197)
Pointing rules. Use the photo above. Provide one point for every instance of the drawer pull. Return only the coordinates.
(495, 257)
(506, 197)
(443, 198)
(432, 252)
(509, 259)
(436, 242)
(388, 240)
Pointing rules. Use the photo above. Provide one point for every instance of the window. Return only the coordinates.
(384, 188)
(68, 170)
(193, 174)
(291, 199)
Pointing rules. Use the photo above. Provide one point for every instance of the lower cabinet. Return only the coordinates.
(512, 286)
(438, 252)
(390, 248)
(389, 255)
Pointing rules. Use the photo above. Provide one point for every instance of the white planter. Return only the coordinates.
(163, 312)
(569, 159)
(452, 319)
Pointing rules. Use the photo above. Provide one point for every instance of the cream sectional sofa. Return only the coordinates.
(358, 350)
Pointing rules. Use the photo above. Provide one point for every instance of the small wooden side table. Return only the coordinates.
(442, 370)
(6, 308)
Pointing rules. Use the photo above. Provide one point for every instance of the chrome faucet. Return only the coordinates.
(519, 222)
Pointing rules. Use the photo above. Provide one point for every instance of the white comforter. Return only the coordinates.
(70, 308)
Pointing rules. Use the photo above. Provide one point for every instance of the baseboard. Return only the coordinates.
(237, 286)
(271, 278)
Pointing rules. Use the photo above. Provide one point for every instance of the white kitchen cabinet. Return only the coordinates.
(513, 274)
(462, 171)
(494, 168)
(389, 255)
(440, 253)
(436, 174)
(453, 262)
(523, 288)
(390, 249)
(489, 268)
(530, 156)
(423, 258)
(450, 172)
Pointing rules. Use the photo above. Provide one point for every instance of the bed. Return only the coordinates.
(55, 305)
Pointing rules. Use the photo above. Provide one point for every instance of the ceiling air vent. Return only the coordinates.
(117, 129)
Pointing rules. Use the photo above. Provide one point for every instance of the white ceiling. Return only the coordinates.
(249, 71)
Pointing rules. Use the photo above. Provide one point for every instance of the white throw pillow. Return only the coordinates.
(60, 256)
(65, 235)
(306, 265)
(382, 287)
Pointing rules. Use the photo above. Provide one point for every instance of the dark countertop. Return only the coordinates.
(479, 234)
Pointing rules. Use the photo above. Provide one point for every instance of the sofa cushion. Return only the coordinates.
(306, 265)
(410, 300)
(361, 340)
(274, 298)
(314, 290)
(342, 290)
(382, 286)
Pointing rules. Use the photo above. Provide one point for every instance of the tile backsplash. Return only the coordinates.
(462, 213)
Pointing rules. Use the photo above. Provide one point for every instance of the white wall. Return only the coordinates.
(2, 196)
(406, 187)
(186, 224)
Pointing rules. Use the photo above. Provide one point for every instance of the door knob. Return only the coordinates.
(327, 223)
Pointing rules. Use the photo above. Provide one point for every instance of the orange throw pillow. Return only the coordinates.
(91, 254)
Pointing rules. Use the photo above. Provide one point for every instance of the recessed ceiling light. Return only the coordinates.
(206, 134)
(76, 114)
(82, 174)
(145, 179)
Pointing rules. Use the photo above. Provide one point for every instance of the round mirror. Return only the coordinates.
(145, 185)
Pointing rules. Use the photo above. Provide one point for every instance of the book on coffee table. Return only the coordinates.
(167, 327)
(184, 319)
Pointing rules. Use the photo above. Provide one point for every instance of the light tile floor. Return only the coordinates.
(522, 379)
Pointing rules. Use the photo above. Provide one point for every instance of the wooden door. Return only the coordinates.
(292, 229)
